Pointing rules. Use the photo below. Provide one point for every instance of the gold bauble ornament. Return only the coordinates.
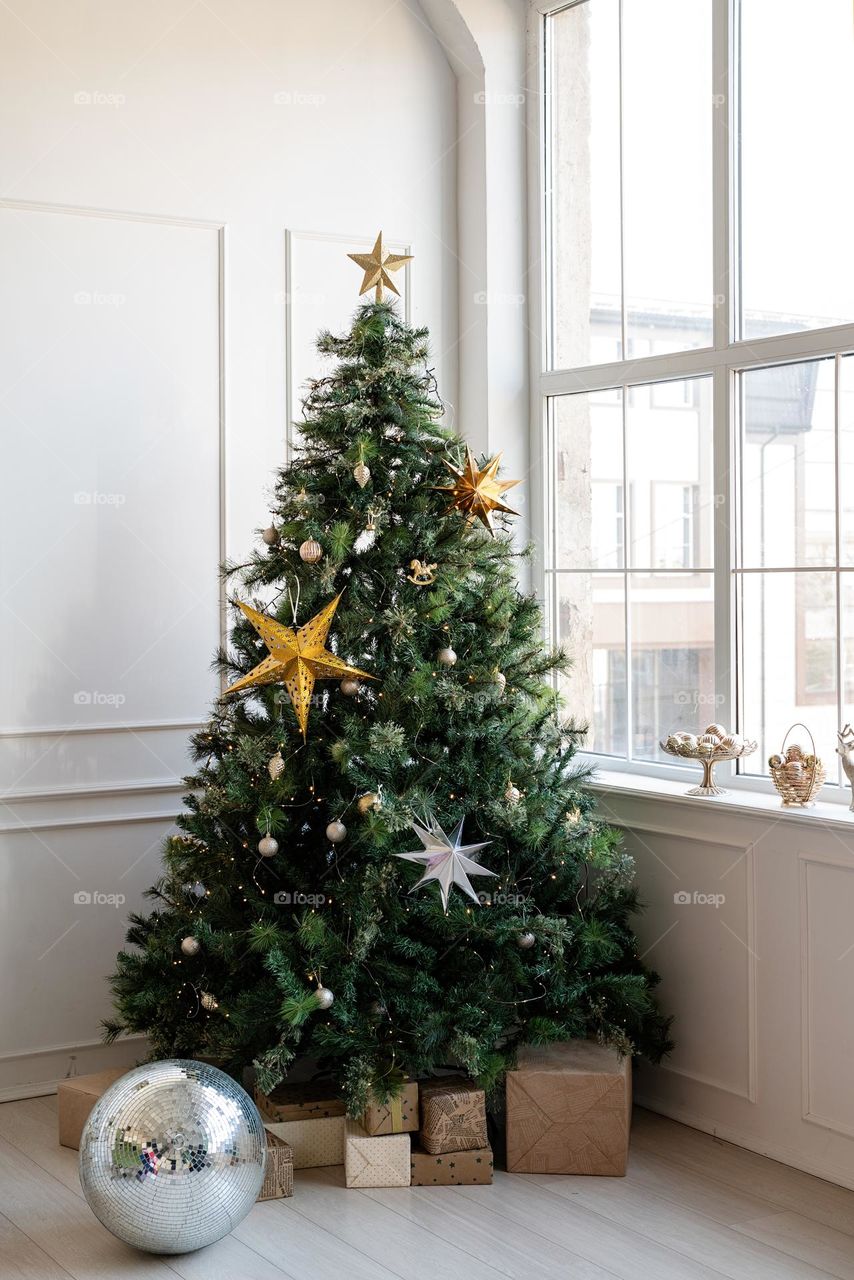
(376, 265)
(361, 474)
(310, 551)
(276, 766)
(499, 679)
(209, 1001)
(270, 535)
(477, 492)
(512, 794)
(296, 659)
(190, 946)
(350, 687)
(446, 656)
(371, 800)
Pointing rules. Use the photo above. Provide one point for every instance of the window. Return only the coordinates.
(696, 367)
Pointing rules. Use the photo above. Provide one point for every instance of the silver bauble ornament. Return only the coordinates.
(370, 800)
(310, 551)
(335, 832)
(350, 687)
(172, 1156)
(525, 940)
(209, 1001)
(512, 794)
(361, 474)
(324, 997)
(267, 846)
(446, 656)
(276, 766)
(190, 946)
(270, 535)
(197, 890)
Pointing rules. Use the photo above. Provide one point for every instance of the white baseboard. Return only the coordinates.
(36, 1073)
(843, 1177)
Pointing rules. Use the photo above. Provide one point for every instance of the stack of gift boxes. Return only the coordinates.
(568, 1111)
(426, 1135)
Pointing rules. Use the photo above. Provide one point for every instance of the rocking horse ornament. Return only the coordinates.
(845, 751)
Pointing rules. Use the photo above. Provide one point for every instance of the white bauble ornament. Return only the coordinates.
(335, 832)
(267, 846)
(361, 474)
(209, 1001)
(512, 794)
(370, 800)
(350, 687)
(324, 997)
(525, 940)
(446, 656)
(310, 551)
(270, 535)
(190, 946)
(716, 729)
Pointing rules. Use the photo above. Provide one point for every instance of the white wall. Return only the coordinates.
(758, 969)
(157, 161)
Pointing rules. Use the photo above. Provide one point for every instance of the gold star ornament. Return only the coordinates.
(477, 493)
(296, 659)
(377, 265)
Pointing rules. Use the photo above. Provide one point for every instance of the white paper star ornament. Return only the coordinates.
(444, 858)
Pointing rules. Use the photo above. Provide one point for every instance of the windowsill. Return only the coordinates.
(752, 803)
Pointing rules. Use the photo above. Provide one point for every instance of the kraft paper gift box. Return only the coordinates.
(453, 1115)
(455, 1168)
(569, 1110)
(375, 1161)
(279, 1169)
(311, 1101)
(314, 1143)
(398, 1115)
(75, 1099)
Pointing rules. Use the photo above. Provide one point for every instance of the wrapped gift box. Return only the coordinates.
(279, 1169)
(454, 1168)
(299, 1102)
(375, 1161)
(75, 1099)
(314, 1143)
(453, 1115)
(569, 1110)
(398, 1115)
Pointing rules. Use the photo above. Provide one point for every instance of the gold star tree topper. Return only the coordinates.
(296, 659)
(376, 265)
(477, 493)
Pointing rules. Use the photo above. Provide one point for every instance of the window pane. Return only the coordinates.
(667, 172)
(673, 667)
(797, 182)
(788, 662)
(588, 480)
(584, 162)
(592, 631)
(671, 482)
(787, 458)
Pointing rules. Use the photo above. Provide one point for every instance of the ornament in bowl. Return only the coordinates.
(709, 747)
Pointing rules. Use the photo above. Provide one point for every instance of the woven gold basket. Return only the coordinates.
(797, 777)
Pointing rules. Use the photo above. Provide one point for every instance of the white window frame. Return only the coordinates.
(724, 360)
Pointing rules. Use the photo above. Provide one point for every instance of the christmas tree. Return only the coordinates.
(388, 862)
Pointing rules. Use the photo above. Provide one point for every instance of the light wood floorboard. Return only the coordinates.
(690, 1208)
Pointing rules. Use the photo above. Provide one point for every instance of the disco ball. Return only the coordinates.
(172, 1156)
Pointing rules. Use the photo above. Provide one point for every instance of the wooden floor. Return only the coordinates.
(691, 1208)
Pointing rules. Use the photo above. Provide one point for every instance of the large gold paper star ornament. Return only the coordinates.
(377, 265)
(477, 493)
(296, 659)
